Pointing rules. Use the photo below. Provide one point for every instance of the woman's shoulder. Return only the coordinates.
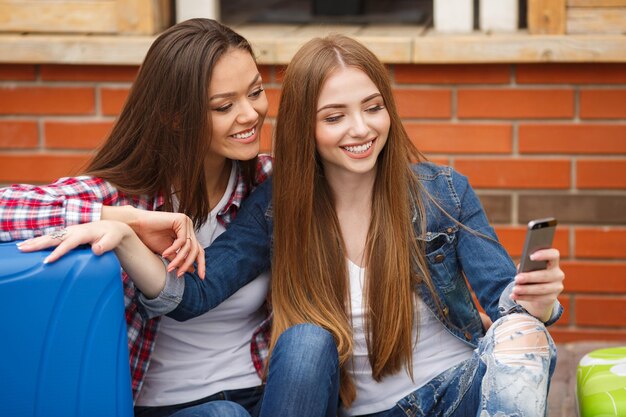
(430, 174)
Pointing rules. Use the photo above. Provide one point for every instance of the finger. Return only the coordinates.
(189, 260)
(105, 243)
(551, 255)
(180, 257)
(538, 277)
(37, 243)
(63, 248)
(535, 300)
(183, 228)
(537, 289)
(201, 262)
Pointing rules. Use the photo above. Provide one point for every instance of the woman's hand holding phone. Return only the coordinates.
(537, 289)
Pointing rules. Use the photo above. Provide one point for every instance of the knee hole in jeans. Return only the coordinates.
(521, 340)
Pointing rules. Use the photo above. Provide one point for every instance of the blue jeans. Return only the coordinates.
(303, 378)
(303, 381)
(493, 382)
(233, 403)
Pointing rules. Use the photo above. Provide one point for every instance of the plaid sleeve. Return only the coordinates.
(27, 210)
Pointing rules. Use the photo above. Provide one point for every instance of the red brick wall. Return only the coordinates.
(535, 140)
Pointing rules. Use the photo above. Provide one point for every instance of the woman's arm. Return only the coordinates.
(28, 211)
(234, 259)
(491, 272)
(144, 267)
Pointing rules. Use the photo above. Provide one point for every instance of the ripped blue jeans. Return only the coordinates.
(508, 375)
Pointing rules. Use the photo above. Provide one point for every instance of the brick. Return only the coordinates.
(273, 98)
(572, 139)
(112, 100)
(18, 134)
(497, 207)
(600, 311)
(512, 238)
(96, 73)
(606, 174)
(516, 173)
(564, 299)
(38, 168)
(76, 135)
(17, 72)
(600, 243)
(453, 74)
(440, 161)
(515, 103)
(561, 335)
(574, 209)
(47, 100)
(266, 137)
(266, 72)
(594, 277)
(279, 73)
(571, 73)
(428, 104)
(461, 138)
(602, 104)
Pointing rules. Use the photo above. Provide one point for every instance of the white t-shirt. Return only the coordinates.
(435, 351)
(210, 353)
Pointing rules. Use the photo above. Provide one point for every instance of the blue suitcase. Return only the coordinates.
(63, 343)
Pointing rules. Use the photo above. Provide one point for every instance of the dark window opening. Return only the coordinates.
(415, 12)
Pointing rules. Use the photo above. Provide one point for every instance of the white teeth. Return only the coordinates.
(359, 149)
(245, 135)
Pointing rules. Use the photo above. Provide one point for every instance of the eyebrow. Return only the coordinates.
(231, 94)
(340, 106)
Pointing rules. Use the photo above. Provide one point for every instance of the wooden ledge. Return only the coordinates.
(277, 44)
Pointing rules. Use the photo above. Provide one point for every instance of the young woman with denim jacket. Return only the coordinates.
(380, 253)
(376, 255)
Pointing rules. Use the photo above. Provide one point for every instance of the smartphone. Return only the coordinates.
(539, 235)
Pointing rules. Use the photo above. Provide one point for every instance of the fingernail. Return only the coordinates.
(45, 261)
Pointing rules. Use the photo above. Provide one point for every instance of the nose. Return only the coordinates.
(247, 113)
(359, 128)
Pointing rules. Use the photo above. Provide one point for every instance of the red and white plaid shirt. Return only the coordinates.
(27, 211)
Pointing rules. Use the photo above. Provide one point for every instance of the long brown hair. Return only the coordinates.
(309, 273)
(164, 129)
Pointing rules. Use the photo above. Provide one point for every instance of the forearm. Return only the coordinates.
(144, 267)
(125, 214)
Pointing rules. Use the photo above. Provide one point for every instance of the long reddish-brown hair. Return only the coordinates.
(164, 129)
(309, 272)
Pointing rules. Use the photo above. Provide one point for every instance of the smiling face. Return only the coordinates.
(237, 105)
(352, 123)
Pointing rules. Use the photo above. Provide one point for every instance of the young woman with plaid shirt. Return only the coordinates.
(186, 141)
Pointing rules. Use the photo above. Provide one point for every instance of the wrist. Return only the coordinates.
(125, 214)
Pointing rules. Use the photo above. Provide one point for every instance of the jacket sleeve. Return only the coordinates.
(27, 210)
(235, 258)
(486, 264)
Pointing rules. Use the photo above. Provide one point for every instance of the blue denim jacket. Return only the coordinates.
(454, 254)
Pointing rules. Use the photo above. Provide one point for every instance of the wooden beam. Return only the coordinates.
(546, 17)
(142, 17)
(429, 49)
(609, 20)
(58, 16)
(519, 49)
(596, 3)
